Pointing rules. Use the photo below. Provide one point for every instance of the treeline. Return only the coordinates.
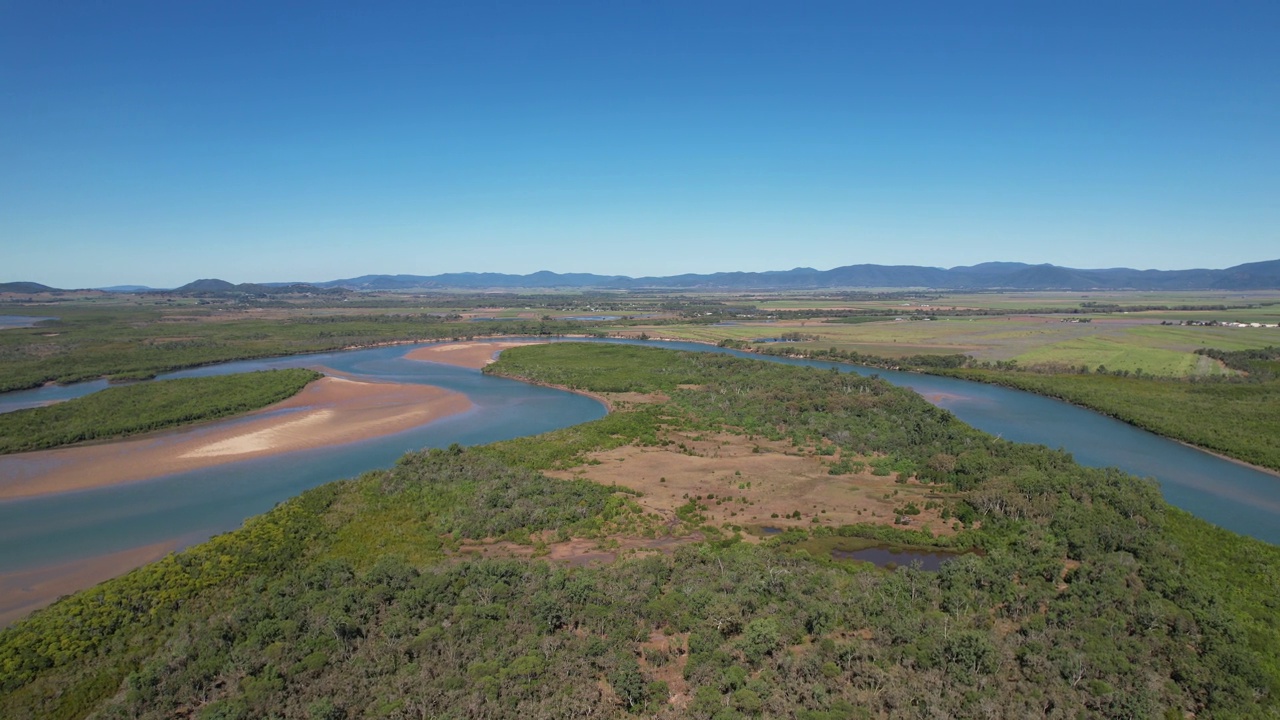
(145, 407)
(910, 362)
(138, 344)
(1261, 364)
(1091, 597)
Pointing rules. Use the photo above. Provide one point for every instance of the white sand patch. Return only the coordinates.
(465, 354)
(260, 440)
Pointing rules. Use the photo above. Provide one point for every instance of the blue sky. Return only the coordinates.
(158, 142)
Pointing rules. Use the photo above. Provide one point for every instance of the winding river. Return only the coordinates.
(190, 507)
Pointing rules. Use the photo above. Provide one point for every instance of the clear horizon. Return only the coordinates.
(155, 143)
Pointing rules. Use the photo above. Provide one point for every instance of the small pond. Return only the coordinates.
(21, 321)
(886, 558)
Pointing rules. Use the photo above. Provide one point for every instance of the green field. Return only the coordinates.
(1121, 343)
(1122, 353)
(1062, 301)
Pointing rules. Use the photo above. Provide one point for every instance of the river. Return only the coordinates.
(192, 506)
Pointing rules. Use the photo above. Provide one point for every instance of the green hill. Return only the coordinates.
(25, 287)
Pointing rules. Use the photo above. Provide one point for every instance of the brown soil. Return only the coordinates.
(938, 398)
(464, 354)
(751, 487)
(622, 399)
(663, 657)
(330, 411)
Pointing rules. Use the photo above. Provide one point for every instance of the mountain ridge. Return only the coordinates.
(1264, 275)
(984, 276)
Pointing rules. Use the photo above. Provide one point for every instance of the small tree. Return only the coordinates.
(761, 638)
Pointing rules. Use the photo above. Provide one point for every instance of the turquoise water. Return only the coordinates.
(22, 399)
(195, 505)
(18, 321)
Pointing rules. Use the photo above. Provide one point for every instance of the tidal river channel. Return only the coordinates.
(190, 507)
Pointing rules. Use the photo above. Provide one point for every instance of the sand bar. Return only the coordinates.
(25, 591)
(465, 354)
(329, 411)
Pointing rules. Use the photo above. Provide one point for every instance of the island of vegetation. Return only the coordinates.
(453, 584)
(145, 407)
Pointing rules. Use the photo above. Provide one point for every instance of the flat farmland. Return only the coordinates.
(1126, 352)
(1122, 298)
(1267, 314)
(1121, 342)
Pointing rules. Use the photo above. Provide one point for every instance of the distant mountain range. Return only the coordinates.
(218, 288)
(986, 276)
(128, 289)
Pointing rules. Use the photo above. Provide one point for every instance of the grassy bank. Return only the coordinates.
(1238, 419)
(146, 407)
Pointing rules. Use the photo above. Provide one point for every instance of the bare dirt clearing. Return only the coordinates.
(748, 482)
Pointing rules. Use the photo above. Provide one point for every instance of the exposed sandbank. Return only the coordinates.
(26, 591)
(329, 411)
(473, 355)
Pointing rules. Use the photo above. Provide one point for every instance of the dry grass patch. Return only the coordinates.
(621, 400)
(736, 480)
(663, 658)
(579, 552)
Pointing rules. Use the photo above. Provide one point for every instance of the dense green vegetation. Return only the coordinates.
(952, 360)
(144, 407)
(1092, 598)
(1260, 364)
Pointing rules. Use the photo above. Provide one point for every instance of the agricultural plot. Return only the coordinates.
(1071, 300)
(1116, 353)
(1194, 338)
(1121, 342)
